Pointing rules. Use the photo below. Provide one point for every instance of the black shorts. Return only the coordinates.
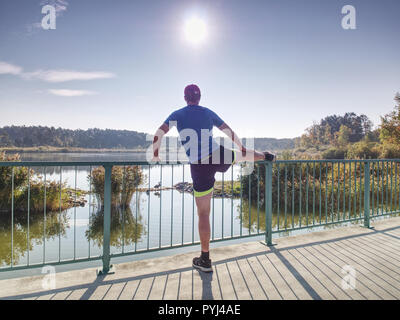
(203, 173)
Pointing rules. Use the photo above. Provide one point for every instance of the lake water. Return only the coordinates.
(152, 220)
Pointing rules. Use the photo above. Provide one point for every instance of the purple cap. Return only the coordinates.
(192, 93)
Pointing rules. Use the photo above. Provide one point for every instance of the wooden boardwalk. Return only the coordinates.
(310, 266)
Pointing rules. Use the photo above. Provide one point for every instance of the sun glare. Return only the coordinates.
(195, 31)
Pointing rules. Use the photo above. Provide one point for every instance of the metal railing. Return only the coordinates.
(277, 197)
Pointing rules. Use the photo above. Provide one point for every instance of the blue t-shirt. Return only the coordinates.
(195, 124)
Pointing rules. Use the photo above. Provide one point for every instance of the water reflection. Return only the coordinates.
(126, 229)
(253, 218)
(22, 239)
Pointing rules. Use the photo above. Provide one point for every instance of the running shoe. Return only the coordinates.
(202, 264)
(269, 156)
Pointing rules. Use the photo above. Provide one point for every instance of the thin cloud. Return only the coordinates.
(53, 76)
(66, 75)
(8, 68)
(60, 5)
(71, 93)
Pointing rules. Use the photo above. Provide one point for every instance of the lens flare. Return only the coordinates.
(195, 31)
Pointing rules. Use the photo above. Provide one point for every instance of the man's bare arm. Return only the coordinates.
(161, 131)
(246, 154)
(232, 135)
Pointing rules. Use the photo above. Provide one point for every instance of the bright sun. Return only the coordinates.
(195, 31)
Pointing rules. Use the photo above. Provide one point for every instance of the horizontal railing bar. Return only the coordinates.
(384, 214)
(49, 263)
(143, 163)
(186, 244)
(336, 160)
(82, 163)
(311, 226)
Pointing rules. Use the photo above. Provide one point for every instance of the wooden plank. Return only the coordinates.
(61, 295)
(76, 294)
(143, 289)
(100, 292)
(286, 283)
(171, 289)
(129, 290)
(241, 287)
(255, 288)
(157, 290)
(265, 279)
(115, 291)
(228, 291)
(186, 285)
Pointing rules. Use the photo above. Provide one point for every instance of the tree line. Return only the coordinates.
(35, 136)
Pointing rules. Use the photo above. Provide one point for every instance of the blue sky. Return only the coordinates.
(268, 68)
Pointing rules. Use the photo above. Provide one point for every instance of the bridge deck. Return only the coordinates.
(308, 266)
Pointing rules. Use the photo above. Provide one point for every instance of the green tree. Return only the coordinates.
(390, 125)
(124, 182)
(324, 132)
(363, 150)
(342, 137)
(14, 189)
(5, 139)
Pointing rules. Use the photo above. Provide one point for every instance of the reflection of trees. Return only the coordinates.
(256, 217)
(56, 225)
(255, 221)
(125, 228)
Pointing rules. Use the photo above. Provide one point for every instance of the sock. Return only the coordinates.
(205, 256)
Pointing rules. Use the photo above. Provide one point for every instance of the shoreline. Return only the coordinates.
(44, 149)
(187, 187)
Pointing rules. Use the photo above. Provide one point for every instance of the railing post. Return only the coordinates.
(107, 220)
(268, 203)
(367, 173)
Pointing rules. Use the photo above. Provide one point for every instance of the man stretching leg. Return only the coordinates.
(206, 158)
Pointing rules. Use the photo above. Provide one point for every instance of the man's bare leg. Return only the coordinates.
(249, 155)
(203, 204)
(203, 210)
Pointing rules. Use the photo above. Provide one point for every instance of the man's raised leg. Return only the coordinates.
(249, 156)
